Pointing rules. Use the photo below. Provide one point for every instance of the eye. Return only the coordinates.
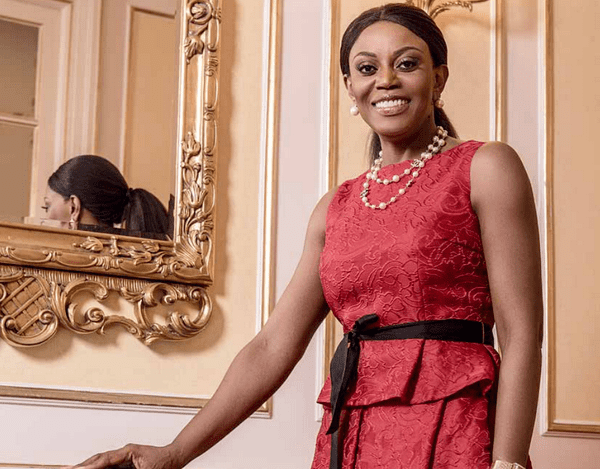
(366, 68)
(407, 64)
(45, 208)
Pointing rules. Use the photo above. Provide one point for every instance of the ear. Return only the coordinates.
(440, 77)
(348, 85)
(74, 208)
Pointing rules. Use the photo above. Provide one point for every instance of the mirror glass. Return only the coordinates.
(18, 55)
(115, 98)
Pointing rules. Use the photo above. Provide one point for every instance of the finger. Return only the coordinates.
(119, 458)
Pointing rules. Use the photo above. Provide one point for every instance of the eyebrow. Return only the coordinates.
(400, 51)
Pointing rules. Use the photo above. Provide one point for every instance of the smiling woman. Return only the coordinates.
(419, 66)
(413, 268)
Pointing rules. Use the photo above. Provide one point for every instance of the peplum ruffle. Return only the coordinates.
(416, 371)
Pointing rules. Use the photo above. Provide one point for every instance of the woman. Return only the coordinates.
(88, 192)
(402, 243)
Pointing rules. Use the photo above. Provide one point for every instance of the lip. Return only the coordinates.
(394, 105)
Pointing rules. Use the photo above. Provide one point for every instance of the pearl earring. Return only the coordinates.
(439, 103)
(354, 110)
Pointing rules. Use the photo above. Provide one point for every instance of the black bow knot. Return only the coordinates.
(344, 366)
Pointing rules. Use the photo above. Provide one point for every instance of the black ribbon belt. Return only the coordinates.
(344, 365)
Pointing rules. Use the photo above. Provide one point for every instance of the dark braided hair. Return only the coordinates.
(417, 21)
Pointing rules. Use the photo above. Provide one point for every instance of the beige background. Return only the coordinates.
(150, 144)
(136, 114)
(576, 210)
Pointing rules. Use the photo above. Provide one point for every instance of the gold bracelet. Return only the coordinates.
(506, 465)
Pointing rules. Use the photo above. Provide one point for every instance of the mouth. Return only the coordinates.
(391, 106)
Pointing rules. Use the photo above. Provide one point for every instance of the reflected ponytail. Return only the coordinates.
(145, 213)
(103, 191)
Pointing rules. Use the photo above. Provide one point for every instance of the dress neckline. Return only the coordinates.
(435, 157)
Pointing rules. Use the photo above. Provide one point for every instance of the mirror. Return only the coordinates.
(166, 145)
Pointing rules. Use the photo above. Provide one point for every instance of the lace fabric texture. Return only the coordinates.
(419, 259)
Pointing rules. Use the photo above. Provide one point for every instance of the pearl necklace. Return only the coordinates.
(416, 164)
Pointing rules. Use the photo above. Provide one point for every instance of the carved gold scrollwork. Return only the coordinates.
(435, 10)
(26, 317)
(34, 302)
(200, 13)
(197, 160)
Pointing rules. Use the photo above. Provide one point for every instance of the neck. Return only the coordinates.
(87, 218)
(395, 150)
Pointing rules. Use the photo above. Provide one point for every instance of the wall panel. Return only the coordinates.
(573, 225)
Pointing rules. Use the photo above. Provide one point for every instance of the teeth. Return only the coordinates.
(395, 102)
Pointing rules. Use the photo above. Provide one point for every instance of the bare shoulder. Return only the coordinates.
(318, 219)
(498, 176)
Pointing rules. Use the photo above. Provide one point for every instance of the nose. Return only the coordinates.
(387, 78)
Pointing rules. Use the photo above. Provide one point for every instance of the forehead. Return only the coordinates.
(385, 37)
(51, 195)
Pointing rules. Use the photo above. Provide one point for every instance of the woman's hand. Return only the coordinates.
(130, 456)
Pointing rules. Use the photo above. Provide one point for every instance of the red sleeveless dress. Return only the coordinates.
(416, 404)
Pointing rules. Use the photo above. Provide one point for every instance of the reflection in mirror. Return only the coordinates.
(89, 193)
(17, 115)
(132, 110)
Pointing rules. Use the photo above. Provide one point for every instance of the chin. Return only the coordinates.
(394, 130)
(398, 126)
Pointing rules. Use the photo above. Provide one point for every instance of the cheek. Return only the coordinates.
(361, 88)
(59, 211)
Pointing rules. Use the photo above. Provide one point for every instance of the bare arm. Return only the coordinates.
(502, 198)
(256, 372)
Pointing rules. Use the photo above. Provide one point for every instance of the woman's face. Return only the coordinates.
(393, 81)
(57, 208)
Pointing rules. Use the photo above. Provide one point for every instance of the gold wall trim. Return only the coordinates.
(101, 397)
(269, 196)
(333, 157)
(31, 466)
(334, 95)
(500, 61)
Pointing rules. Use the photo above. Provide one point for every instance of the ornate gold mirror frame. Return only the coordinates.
(44, 270)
